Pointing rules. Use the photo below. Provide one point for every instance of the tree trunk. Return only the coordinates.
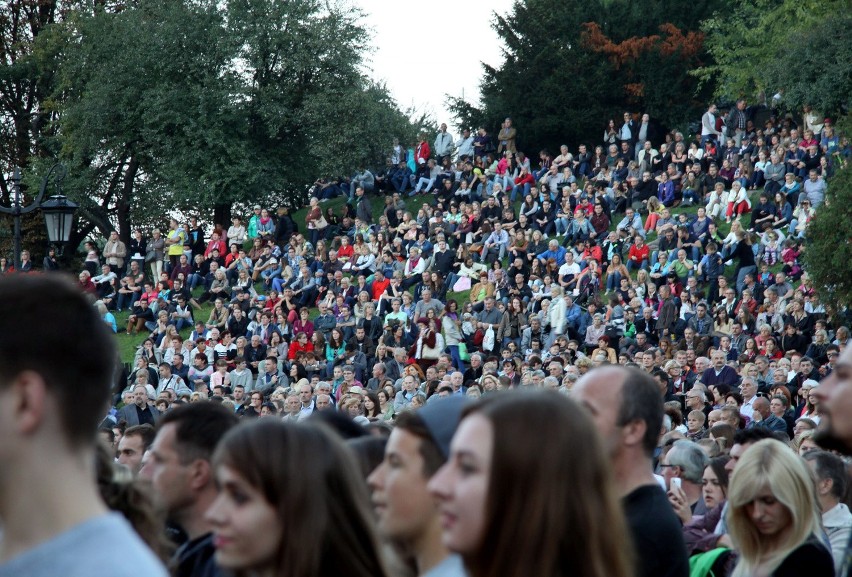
(222, 215)
(126, 195)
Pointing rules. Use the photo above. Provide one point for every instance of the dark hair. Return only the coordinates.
(784, 400)
(412, 423)
(373, 396)
(61, 320)
(830, 466)
(199, 428)
(563, 532)
(718, 466)
(368, 451)
(145, 431)
(726, 432)
(641, 401)
(134, 500)
(753, 435)
(312, 482)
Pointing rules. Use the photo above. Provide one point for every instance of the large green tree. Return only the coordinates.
(568, 67)
(200, 106)
(25, 121)
(747, 39)
(829, 244)
(814, 67)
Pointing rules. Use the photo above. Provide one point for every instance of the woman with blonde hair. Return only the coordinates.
(774, 518)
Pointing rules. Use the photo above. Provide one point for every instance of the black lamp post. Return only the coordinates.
(58, 210)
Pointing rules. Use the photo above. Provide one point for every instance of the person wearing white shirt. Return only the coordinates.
(443, 143)
(498, 240)
(464, 145)
(748, 389)
(708, 126)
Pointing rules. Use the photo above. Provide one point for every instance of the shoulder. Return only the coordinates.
(656, 530)
(810, 558)
(105, 545)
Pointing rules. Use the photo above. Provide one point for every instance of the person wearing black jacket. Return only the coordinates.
(544, 219)
(793, 341)
(361, 342)
(195, 238)
(647, 325)
(491, 211)
(443, 259)
(643, 190)
(285, 227)
(519, 288)
(189, 434)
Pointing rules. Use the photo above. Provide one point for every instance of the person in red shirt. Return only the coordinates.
(215, 243)
(379, 285)
(300, 344)
(345, 252)
(639, 254)
(422, 152)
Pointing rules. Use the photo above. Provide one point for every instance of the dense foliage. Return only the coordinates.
(159, 105)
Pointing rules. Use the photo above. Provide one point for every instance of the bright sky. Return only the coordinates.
(423, 54)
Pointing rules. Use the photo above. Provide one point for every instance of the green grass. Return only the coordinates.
(128, 345)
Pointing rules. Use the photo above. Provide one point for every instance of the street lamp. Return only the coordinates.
(58, 210)
(58, 216)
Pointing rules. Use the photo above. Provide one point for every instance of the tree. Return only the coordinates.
(183, 106)
(814, 67)
(654, 69)
(745, 39)
(23, 83)
(568, 68)
(829, 243)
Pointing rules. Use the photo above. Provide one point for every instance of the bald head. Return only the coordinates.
(761, 405)
(623, 399)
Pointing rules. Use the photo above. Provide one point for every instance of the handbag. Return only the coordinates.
(150, 256)
(462, 284)
(478, 336)
(463, 354)
(321, 223)
(488, 340)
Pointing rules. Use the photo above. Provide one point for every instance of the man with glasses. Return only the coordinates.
(696, 400)
(748, 389)
(686, 461)
(832, 353)
(729, 302)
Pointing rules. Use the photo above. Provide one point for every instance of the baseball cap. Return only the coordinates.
(442, 417)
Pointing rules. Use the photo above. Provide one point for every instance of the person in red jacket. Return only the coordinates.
(422, 152)
(638, 255)
(523, 183)
(215, 243)
(299, 344)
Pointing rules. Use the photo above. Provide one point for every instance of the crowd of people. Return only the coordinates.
(677, 374)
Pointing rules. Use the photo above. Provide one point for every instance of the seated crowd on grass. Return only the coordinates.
(466, 267)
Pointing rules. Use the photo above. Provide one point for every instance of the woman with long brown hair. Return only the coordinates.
(504, 504)
(281, 483)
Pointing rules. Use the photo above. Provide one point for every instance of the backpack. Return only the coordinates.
(710, 564)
